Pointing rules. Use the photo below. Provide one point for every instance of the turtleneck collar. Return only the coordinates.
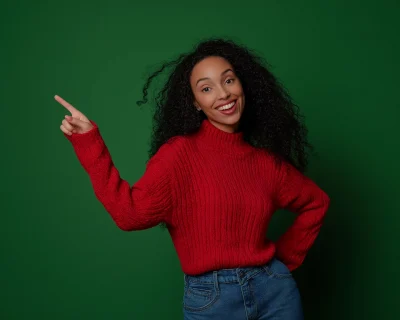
(214, 138)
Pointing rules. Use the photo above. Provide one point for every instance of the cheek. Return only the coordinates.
(239, 90)
(205, 100)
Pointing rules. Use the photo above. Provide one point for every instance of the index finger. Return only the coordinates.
(68, 106)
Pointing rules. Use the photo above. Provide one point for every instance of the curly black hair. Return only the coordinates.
(270, 119)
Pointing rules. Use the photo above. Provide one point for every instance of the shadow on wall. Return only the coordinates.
(327, 280)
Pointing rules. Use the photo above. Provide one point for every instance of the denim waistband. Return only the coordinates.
(234, 275)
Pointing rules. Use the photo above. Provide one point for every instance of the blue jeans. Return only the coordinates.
(266, 292)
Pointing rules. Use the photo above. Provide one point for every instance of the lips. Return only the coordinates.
(231, 110)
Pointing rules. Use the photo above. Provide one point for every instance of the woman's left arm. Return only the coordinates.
(299, 194)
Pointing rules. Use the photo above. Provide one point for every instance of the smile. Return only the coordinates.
(227, 106)
(228, 109)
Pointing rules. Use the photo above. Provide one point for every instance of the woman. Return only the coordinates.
(229, 149)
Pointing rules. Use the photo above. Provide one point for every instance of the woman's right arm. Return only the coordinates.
(144, 205)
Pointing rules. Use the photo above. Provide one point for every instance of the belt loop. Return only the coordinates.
(184, 279)
(240, 275)
(216, 285)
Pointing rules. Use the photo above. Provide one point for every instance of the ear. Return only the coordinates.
(197, 105)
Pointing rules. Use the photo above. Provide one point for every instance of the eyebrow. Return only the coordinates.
(201, 79)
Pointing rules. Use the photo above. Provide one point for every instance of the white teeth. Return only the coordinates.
(227, 106)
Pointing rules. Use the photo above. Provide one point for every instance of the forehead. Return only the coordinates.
(210, 67)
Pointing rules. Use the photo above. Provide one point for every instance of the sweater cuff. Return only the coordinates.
(88, 146)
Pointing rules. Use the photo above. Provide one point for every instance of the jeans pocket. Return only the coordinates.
(199, 296)
(277, 269)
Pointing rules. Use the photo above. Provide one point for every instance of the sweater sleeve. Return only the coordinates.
(299, 194)
(142, 206)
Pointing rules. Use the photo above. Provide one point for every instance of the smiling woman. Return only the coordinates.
(228, 150)
(270, 120)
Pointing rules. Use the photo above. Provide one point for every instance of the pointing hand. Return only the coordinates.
(77, 122)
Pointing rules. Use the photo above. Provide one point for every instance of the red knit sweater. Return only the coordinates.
(216, 194)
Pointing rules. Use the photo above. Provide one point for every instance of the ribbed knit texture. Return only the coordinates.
(217, 195)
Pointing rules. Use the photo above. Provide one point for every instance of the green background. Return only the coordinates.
(62, 257)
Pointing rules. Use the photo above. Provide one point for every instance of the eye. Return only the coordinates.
(206, 89)
(229, 81)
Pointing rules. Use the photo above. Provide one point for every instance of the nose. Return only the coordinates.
(224, 93)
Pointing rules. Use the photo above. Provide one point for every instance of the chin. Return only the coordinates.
(234, 119)
(231, 121)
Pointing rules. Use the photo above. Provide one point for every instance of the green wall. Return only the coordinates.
(62, 257)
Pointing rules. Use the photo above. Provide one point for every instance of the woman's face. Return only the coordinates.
(218, 92)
